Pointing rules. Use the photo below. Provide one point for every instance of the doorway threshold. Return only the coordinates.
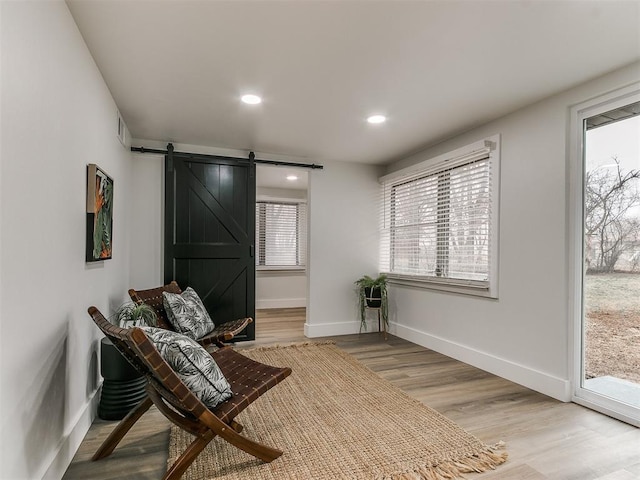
(616, 388)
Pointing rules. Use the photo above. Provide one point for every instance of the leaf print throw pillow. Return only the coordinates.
(187, 314)
(194, 365)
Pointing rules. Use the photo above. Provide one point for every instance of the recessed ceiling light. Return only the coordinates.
(251, 99)
(292, 178)
(377, 119)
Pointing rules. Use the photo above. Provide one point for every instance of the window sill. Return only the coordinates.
(452, 286)
(275, 271)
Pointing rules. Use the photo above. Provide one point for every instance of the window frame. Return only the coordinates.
(435, 166)
(301, 236)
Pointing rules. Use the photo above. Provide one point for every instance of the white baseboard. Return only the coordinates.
(555, 387)
(71, 442)
(338, 328)
(281, 303)
(330, 329)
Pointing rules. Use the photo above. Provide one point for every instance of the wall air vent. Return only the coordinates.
(123, 131)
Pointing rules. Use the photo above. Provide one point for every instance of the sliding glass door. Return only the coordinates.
(608, 318)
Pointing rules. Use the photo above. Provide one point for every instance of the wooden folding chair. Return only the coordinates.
(153, 297)
(248, 379)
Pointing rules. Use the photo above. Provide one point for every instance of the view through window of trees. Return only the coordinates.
(612, 248)
(612, 223)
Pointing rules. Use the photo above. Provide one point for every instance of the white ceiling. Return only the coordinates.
(176, 69)
(276, 177)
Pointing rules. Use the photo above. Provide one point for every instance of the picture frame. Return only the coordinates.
(99, 238)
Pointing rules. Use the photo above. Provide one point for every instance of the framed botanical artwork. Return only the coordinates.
(99, 214)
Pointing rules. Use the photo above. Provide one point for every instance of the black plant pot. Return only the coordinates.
(373, 297)
(123, 387)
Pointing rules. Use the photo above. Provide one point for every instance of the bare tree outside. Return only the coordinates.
(612, 251)
(610, 195)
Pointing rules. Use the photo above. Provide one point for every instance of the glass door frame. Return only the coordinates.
(579, 113)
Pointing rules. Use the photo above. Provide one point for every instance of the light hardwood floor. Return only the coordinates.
(546, 439)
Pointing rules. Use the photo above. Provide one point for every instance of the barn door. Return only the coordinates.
(210, 232)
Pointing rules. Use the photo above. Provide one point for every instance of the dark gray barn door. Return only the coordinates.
(210, 232)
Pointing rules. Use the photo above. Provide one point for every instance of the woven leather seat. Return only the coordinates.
(153, 297)
(248, 379)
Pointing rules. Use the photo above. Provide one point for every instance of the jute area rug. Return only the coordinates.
(336, 419)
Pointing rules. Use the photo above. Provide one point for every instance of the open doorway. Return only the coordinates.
(609, 364)
(281, 238)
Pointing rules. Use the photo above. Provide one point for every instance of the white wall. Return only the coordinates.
(286, 289)
(343, 239)
(147, 221)
(57, 115)
(524, 334)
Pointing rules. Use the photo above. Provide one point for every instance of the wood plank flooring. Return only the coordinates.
(546, 439)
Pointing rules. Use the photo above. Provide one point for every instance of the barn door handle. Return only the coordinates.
(251, 251)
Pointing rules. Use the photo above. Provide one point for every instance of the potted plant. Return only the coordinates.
(123, 387)
(372, 293)
(135, 315)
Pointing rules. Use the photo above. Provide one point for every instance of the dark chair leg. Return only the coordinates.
(258, 450)
(121, 429)
(188, 456)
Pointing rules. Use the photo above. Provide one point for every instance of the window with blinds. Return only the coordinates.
(281, 231)
(438, 222)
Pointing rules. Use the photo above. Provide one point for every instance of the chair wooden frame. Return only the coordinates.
(153, 297)
(249, 380)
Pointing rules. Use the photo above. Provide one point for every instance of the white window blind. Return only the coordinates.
(436, 222)
(281, 234)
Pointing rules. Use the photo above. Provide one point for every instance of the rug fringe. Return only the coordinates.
(450, 470)
(289, 345)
